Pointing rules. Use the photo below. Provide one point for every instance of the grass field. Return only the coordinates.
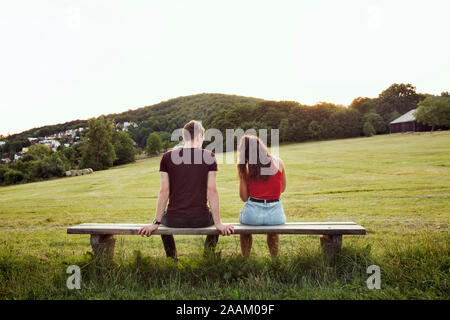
(397, 186)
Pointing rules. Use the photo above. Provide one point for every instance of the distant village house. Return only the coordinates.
(6, 160)
(127, 125)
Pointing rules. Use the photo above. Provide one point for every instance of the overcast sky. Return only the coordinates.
(66, 60)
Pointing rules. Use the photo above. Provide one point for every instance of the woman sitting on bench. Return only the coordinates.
(262, 179)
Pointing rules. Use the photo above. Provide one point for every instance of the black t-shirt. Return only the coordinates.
(188, 170)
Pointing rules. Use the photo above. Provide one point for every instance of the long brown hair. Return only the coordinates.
(252, 156)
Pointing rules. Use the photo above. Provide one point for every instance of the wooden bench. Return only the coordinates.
(102, 234)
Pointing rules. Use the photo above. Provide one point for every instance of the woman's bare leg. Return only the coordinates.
(273, 241)
(246, 244)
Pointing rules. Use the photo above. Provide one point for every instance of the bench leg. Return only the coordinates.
(331, 245)
(103, 245)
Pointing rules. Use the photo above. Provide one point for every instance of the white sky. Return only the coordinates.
(67, 60)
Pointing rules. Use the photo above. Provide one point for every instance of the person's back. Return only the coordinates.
(266, 189)
(188, 170)
(188, 181)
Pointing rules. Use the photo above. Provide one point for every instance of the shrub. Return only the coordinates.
(376, 121)
(50, 166)
(26, 167)
(13, 176)
(368, 129)
(3, 170)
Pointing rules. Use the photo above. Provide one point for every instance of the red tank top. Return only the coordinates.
(269, 189)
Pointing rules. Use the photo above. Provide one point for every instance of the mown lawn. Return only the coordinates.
(397, 186)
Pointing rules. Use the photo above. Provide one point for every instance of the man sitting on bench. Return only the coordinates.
(188, 180)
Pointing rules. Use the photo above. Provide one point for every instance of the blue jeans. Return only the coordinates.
(262, 214)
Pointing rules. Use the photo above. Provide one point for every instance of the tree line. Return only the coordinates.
(298, 123)
(102, 146)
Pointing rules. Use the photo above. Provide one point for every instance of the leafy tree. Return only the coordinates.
(342, 123)
(166, 137)
(72, 155)
(14, 147)
(393, 115)
(314, 130)
(37, 152)
(376, 121)
(298, 131)
(284, 130)
(368, 129)
(154, 144)
(51, 166)
(254, 125)
(140, 133)
(123, 147)
(434, 111)
(99, 152)
(364, 105)
(399, 97)
(166, 145)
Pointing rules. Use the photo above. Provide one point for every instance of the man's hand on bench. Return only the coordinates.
(225, 230)
(147, 230)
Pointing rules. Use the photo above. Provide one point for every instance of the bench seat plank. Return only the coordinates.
(320, 228)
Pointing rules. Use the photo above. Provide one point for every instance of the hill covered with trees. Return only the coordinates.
(161, 117)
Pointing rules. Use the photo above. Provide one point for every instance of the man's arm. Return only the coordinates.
(163, 195)
(161, 205)
(213, 197)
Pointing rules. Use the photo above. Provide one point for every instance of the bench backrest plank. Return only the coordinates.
(328, 228)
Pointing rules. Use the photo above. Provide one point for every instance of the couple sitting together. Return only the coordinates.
(189, 185)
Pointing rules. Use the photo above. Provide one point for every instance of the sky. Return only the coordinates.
(63, 60)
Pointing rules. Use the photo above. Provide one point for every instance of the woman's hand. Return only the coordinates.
(147, 230)
(225, 230)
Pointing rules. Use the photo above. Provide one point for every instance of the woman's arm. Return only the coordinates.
(243, 191)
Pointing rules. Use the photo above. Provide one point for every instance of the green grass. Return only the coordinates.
(397, 186)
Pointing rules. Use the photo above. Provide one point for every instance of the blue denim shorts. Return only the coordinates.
(262, 214)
